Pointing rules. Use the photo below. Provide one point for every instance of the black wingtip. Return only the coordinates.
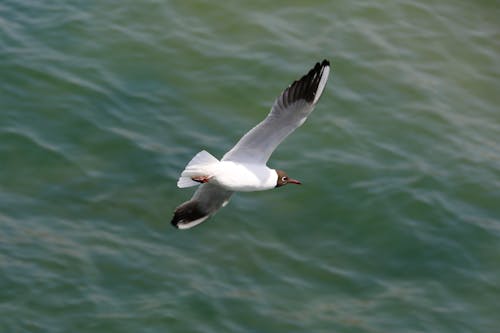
(307, 86)
(175, 223)
(188, 215)
(318, 68)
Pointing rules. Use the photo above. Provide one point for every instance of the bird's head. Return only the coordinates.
(283, 179)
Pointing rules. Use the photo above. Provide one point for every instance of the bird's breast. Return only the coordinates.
(244, 177)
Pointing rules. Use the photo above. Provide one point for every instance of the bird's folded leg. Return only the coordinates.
(201, 179)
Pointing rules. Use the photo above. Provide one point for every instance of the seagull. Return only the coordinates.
(244, 168)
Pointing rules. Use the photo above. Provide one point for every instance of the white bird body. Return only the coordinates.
(230, 175)
(244, 177)
(244, 167)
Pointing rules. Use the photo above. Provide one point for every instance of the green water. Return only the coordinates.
(397, 225)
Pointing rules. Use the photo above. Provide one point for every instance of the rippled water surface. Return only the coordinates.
(397, 225)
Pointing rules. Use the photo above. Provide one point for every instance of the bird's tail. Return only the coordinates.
(201, 165)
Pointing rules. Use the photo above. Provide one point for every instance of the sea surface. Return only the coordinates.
(396, 227)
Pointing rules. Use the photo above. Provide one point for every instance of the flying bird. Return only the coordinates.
(244, 168)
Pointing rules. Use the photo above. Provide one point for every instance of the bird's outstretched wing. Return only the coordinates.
(207, 200)
(289, 111)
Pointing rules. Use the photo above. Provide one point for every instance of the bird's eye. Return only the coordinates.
(284, 178)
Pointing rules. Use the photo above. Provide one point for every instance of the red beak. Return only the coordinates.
(294, 181)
